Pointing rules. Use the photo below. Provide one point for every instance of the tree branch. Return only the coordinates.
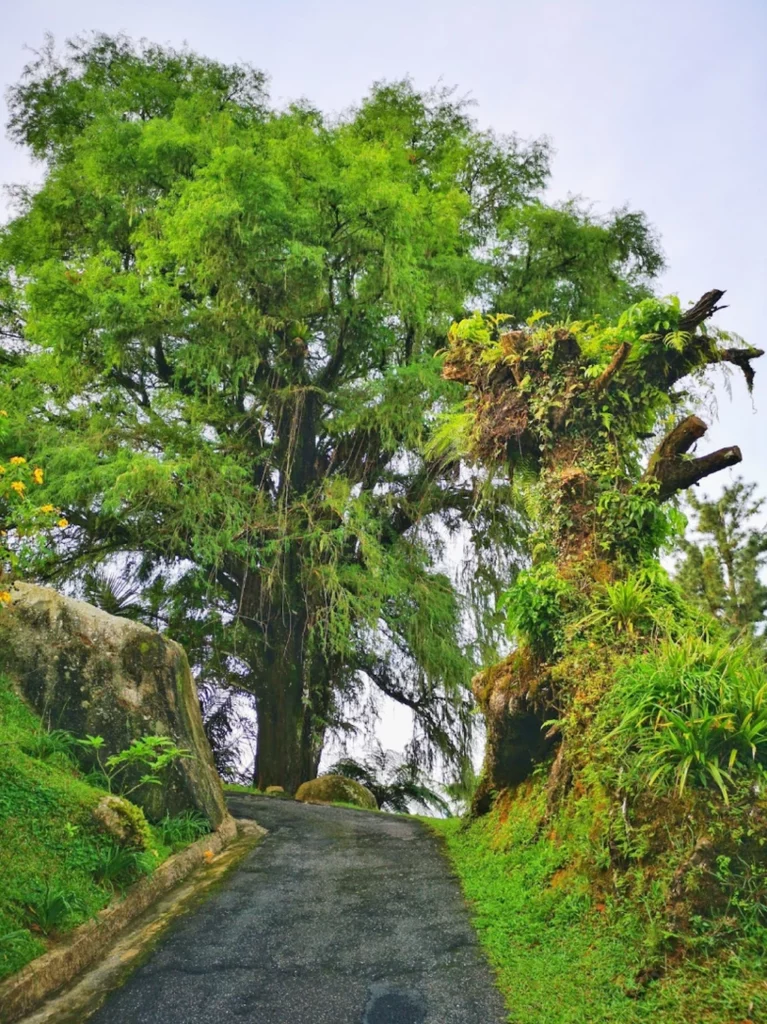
(705, 307)
(619, 358)
(673, 471)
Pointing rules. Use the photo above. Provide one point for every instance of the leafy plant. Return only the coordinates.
(117, 866)
(150, 755)
(696, 712)
(53, 908)
(182, 828)
(537, 606)
(643, 602)
(46, 744)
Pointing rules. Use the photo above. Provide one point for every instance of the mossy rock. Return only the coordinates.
(275, 791)
(124, 822)
(328, 789)
(95, 674)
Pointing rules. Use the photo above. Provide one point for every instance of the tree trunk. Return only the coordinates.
(279, 756)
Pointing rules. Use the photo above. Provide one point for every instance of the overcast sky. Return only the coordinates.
(659, 104)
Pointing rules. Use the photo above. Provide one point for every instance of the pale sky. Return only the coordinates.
(659, 104)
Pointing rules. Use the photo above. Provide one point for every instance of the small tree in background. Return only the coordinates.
(723, 564)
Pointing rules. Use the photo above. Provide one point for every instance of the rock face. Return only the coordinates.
(93, 673)
(329, 788)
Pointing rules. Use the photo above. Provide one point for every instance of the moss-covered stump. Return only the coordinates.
(328, 789)
(96, 674)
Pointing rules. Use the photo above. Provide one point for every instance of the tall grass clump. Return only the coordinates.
(693, 711)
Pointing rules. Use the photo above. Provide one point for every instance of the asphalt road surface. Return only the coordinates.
(337, 917)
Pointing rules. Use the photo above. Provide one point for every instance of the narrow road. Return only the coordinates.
(337, 917)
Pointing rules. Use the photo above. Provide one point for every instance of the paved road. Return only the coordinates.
(337, 917)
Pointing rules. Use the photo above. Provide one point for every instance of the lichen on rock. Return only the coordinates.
(328, 789)
(123, 821)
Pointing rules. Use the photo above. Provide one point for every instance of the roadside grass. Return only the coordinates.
(57, 868)
(571, 944)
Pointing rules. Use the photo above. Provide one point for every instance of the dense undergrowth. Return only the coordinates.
(626, 879)
(58, 867)
(576, 938)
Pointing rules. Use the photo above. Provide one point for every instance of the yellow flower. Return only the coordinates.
(62, 523)
(37, 475)
(19, 487)
(3, 412)
(46, 508)
(18, 460)
(2, 470)
(5, 597)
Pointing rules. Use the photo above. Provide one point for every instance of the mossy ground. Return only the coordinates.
(576, 941)
(50, 845)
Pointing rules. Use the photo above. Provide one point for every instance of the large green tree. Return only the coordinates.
(222, 323)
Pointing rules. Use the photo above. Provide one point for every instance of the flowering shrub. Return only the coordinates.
(21, 517)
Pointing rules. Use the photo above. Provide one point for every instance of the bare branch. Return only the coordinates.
(673, 471)
(619, 358)
(705, 307)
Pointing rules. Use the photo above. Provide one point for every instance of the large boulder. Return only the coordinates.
(96, 674)
(328, 789)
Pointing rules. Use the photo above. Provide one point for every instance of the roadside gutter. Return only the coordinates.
(41, 979)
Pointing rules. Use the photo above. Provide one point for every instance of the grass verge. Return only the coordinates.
(58, 868)
(573, 943)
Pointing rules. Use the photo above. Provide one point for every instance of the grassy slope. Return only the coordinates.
(573, 943)
(49, 843)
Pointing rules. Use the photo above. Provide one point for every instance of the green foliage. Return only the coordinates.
(116, 867)
(645, 603)
(258, 296)
(633, 524)
(575, 939)
(694, 713)
(566, 260)
(52, 909)
(150, 755)
(723, 563)
(537, 607)
(58, 867)
(183, 828)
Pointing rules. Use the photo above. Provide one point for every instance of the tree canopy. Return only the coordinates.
(221, 327)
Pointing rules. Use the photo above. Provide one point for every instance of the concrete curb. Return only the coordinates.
(43, 977)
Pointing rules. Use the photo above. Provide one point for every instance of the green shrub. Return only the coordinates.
(45, 745)
(53, 908)
(536, 608)
(117, 867)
